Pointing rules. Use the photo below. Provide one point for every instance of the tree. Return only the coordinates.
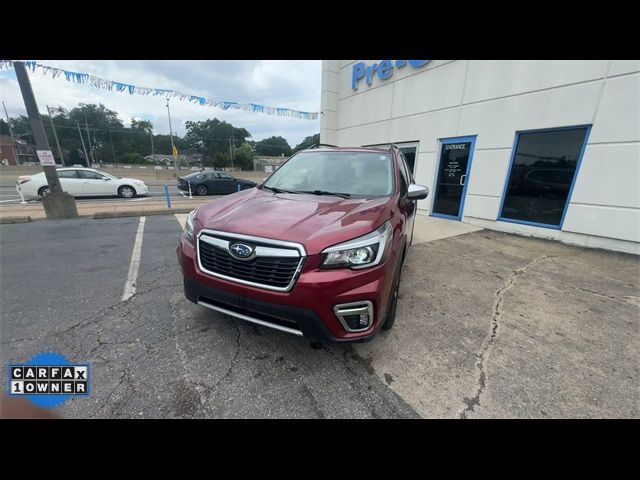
(308, 142)
(4, 128)
(214, 139)
(243, 157)
(273, 147)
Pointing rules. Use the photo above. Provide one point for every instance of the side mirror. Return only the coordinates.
(106, 178)
(417, 192)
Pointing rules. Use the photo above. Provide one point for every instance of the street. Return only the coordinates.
(9, 196)
(490, 325)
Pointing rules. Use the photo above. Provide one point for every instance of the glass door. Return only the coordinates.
(452, 176)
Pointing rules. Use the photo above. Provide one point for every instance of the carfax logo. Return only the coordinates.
(49, 379)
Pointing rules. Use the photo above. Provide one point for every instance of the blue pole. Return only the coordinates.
(166, 194)
(238, 187)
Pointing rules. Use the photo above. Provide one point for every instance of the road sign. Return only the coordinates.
(46, 158)
(175, 152)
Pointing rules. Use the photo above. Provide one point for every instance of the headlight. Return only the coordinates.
(361, 252)
(189, 227)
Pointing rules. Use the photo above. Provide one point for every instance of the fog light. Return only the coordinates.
(355, 316)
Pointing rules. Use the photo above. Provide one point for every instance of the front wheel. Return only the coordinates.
(125, 191)
(43, 192)
(202, 190)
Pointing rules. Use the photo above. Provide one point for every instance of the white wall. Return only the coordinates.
(493, 99)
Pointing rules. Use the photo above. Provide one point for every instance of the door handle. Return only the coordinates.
(462, 177)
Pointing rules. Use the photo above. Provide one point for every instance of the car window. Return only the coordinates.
(405, 165)
(89, 175)
(226, 176)
(362, 174)
(404, 179)
(67, 174)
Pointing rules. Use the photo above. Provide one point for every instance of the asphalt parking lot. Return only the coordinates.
(489, 325)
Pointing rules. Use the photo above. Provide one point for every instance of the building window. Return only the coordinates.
(543, 169)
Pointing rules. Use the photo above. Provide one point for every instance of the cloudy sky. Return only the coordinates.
(291, 84)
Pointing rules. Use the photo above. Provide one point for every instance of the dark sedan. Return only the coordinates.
(213, 183)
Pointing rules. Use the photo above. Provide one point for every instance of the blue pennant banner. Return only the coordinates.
(97, 82)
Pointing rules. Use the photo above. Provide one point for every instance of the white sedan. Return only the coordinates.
(83, 182)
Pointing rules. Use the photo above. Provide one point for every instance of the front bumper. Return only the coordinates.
(141, 189)
(307, 309)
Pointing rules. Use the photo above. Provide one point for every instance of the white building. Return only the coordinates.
(543, 148)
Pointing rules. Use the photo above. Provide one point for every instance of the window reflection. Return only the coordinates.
(541, 175)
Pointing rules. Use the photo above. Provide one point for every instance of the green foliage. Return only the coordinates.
(243, 157)
(4, 128)
(133, 158)
(308, 142)
(215, 139)
(273, 147)
(112, 142)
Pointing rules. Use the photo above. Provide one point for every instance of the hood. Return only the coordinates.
(315, 221)
(129, 180)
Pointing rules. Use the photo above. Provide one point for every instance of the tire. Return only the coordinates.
(392, 304)
(202, 190)
(125, 191)
(43, 192)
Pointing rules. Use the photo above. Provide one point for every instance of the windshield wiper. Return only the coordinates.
(324, 192)
(279, 190)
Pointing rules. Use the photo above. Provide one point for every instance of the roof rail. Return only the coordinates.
(322, 145)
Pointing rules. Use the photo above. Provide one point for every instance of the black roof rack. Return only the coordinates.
(322, 145)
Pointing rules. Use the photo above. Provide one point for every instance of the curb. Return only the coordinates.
(14, 220)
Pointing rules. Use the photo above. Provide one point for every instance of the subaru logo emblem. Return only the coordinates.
(241, 250)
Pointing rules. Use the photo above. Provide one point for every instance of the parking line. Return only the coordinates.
(130, 286)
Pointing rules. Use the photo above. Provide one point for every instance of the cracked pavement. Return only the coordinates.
(156, 355)
(489, 325)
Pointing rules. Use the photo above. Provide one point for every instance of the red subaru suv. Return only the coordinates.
(316, 250)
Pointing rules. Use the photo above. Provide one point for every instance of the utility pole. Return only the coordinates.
(231, 153)
(57, 204)
(55, 135)
(113, 151)
(176, 160)
(153, 152)
(86, 158)
(86, 124)
(13, 142)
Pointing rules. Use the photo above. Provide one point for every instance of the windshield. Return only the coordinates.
(358, 174)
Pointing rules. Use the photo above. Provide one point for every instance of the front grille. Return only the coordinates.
(271, 271)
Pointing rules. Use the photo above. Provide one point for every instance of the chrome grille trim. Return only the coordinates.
(271, 248)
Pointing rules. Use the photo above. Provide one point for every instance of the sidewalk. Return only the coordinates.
(35, 211)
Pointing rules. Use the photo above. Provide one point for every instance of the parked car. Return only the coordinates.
(213, 183)
(316, 250)
(83, 182)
